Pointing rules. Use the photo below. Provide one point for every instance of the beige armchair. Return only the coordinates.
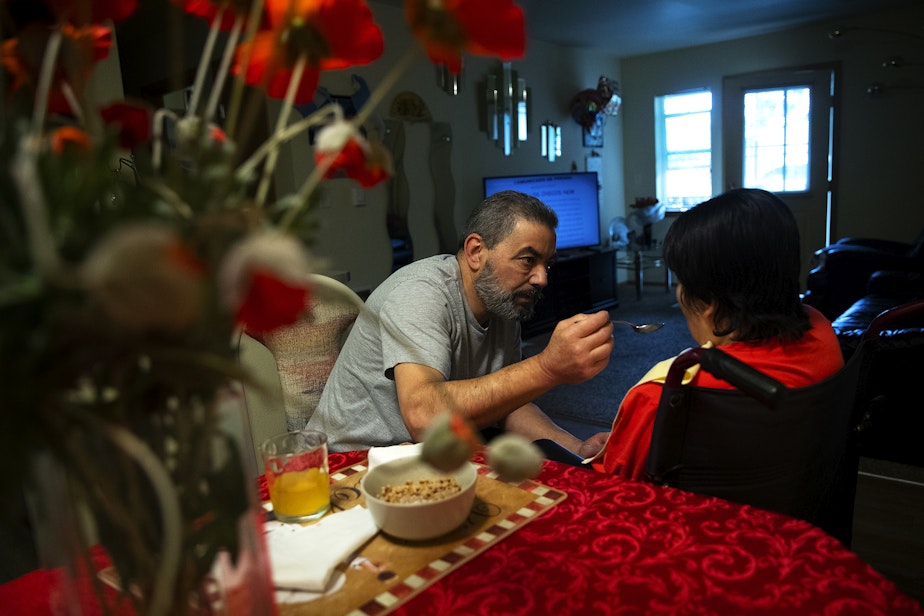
(290, 366)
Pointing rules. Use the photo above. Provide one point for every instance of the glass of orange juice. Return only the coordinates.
(295, 464)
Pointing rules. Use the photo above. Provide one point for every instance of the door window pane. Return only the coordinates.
(684, 148)
(776, 139)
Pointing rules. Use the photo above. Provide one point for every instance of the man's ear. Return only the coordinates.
(474, 251)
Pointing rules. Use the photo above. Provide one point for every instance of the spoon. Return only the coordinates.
(641, 329)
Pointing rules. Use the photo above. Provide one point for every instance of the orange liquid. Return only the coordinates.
(299, 493)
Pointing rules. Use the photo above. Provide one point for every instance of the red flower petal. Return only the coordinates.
(84, 12)
(81, 49)
(133, 121)
(332, 34)
(482, 27)
(268, 70)
(353, 162)
(68, 137)
(271, 303)
(209, 9)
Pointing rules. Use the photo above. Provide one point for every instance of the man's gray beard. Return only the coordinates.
(500, 302)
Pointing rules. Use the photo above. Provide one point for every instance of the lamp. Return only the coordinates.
(506, 98)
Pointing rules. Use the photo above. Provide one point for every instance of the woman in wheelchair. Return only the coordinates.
(736, 260)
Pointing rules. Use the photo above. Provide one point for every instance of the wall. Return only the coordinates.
(878, 152)
(352, 234)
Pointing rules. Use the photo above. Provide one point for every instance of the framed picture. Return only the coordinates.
(593, 136)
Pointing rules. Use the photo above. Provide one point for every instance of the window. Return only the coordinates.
(776, 139)
(683, 149)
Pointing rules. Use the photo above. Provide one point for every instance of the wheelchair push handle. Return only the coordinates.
(751, 381)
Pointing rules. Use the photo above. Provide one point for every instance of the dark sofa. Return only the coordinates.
(842, 271)
(854, 281)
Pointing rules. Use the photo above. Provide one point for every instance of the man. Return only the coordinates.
(443, 333)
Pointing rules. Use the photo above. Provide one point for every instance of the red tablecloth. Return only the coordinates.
(624, 547)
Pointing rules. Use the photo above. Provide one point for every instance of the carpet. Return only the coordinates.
(594, 402)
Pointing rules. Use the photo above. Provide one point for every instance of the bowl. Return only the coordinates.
(421, 520)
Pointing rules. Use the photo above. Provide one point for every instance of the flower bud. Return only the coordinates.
(514, 458)
(448, 442)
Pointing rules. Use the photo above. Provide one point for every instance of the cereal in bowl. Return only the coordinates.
(425, 490)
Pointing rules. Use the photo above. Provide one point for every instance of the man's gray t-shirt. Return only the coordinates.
(418, 315)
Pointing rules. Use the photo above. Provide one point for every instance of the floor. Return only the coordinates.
(888, 522)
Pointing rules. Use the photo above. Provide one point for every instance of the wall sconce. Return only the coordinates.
(878, 88)
(839, 31)
(506, 98)
(449, 82)
(551, 141)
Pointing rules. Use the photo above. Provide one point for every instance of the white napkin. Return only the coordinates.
(303, 557)
(380, 455)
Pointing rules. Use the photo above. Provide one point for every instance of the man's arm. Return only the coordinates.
(578, 350)
(529, 421)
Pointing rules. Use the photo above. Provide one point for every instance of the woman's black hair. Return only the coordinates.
(741, 251)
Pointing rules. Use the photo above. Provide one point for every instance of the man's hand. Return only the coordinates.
(593, 445)
(579, 349)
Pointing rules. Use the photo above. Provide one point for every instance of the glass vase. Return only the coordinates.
(154, 518)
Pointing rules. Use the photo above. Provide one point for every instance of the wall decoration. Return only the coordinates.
(592, 106)
(506, 107)
(550, 136)
(593, 134)
(350, 103)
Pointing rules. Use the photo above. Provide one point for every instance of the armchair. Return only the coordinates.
(843, 270)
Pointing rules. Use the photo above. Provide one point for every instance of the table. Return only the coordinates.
(616, 546)
(636, 260)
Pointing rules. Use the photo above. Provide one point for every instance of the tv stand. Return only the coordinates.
(580, 281)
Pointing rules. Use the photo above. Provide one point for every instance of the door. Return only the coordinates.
(777, 129)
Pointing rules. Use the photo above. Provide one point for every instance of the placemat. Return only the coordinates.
(387, 571)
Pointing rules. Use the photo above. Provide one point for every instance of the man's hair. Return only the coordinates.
(496, 216)
(741, 251)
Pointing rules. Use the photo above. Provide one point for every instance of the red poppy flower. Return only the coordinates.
(209, 9)
(271, 303)
(446, 28)
(85, 12)
(332, 34)
(81, 49)
(69, 137)
(352, 162)
(132, 120)
(350, 155)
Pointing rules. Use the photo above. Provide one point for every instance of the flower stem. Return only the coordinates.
(45, 79)
(207, 51)
(317, 174)
(171, 518)
(237, 95)
(24, 171)
(387, 83)
(223, 71)
(286, 134)
(281, 121)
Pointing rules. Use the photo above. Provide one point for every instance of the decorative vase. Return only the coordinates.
(133, 531)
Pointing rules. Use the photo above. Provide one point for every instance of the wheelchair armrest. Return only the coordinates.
(763, 388)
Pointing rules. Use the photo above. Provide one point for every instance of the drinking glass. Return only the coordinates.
(297, 476)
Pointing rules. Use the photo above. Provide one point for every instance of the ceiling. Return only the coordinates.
(634, 27)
